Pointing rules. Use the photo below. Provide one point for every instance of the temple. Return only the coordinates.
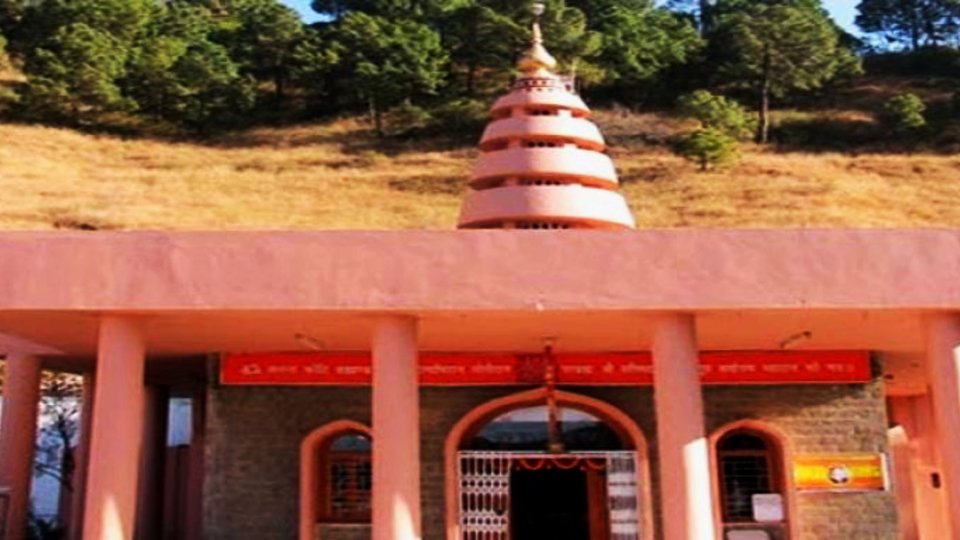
(544, 372)
(542, 164)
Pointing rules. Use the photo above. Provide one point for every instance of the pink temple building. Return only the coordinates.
(546, 372)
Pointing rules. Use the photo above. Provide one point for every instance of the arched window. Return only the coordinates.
(335, 477)
(750, 463)
(345, 479)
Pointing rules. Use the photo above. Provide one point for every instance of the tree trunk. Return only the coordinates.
(471, 78)
(706, 17)
(279, 83)
(331, 89)
(915, 30)
(763, 126)
(376, 116)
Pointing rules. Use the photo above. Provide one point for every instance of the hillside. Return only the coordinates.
(336, 175)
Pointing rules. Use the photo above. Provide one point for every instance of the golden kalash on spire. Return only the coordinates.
(537, 62)
(543, 164)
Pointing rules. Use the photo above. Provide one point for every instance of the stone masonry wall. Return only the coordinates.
(828, 418)
(254, 435)
(251, 489)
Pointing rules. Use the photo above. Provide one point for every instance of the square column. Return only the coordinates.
(18, 437)
(116, 432)
(685, 484)
(943, 372)
(396, 430)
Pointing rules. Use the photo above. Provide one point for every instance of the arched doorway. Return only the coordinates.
(518, 471)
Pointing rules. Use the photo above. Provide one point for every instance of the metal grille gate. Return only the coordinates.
(484, 496)
(622, 498)
(484, 493)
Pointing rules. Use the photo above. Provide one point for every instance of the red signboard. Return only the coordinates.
(717, 368)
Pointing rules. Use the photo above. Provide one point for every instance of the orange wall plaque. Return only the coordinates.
(840, 472)
(627, 369)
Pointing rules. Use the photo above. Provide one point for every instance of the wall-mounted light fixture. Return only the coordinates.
(795, 340)
(309, 342)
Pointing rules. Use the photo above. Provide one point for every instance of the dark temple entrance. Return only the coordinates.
(549, 503)
(511, 488)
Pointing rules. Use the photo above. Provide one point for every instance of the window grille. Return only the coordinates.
(347, 480)
(746, 465)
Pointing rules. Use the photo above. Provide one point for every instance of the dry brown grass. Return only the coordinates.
(798, 190)
(304, 178)
(333, 176)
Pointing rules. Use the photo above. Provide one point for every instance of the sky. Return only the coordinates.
(842, 10)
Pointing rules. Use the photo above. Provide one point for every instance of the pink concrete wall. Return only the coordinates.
(464, 270)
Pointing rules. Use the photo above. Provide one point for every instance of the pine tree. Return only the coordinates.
(314, 64)
(903, 114)
(716, 112)
(177, 73)
(75, 74)
(11, 14)
(708, 147)
(388, 61)
(638, 45)
(773, 49)
(575, 45)
(217, 92)
(262, 36)
(914, 23)
(75, 52)
(466, 27)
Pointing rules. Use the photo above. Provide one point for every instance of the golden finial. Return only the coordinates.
(537, 61)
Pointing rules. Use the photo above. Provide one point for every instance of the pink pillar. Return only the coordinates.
(396, 430)
(904, 460)
(915, 415)
(684, 457)
(117, 431)
(18, 436)
(75, 530)
(943, 368)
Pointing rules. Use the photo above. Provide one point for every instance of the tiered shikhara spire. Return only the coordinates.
(543, 164)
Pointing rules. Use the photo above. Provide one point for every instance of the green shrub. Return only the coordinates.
(461, 115)
(708, 147)
(717, 112)
(7, 96)
(5, 63)
(903, 113)
(407, 117)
